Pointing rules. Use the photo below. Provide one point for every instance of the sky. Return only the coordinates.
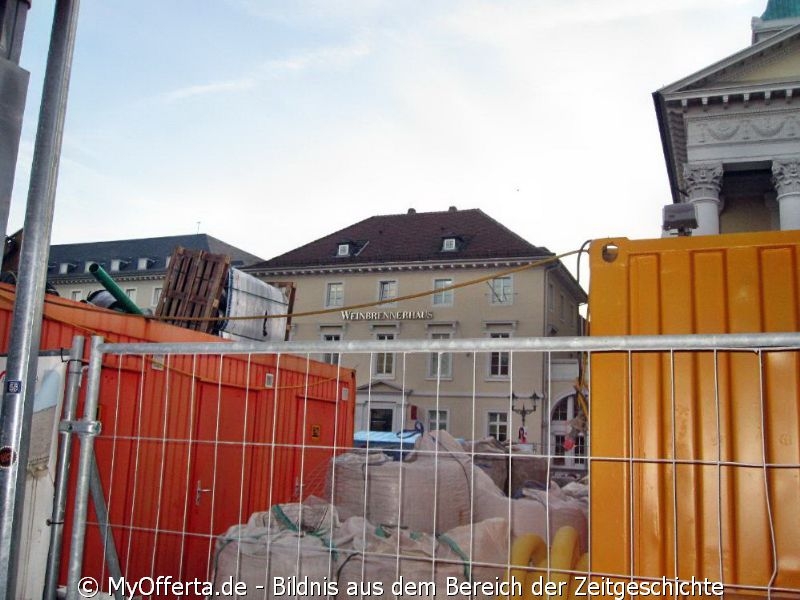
(271, 123)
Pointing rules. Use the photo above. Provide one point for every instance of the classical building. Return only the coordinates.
(138, 266)
(394, 256)
(731, 132)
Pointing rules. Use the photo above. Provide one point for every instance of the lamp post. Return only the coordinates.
(523, 411)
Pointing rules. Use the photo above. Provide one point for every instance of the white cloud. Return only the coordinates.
(217, 87)
(326, 57)
(341, 56)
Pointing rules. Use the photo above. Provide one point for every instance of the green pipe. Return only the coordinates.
(116, 291)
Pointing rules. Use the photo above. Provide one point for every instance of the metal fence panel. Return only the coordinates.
(219, 471)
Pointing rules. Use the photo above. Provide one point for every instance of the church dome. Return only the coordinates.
(781, 9)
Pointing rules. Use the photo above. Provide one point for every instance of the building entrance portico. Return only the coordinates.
(730, 132)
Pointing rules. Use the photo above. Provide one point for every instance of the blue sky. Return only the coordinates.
(275, 122)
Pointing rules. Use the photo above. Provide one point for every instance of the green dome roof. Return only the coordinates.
(781, 9)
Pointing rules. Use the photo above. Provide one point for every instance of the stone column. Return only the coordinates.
(786, 176)
(703, 182)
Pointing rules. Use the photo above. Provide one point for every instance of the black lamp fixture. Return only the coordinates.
(523, 411)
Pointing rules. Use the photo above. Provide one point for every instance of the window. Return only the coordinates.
(75, 295)
(387, 290)
(343, 250)
(131, 293)
(558, 449)
(118, 264)
(561, 412)
(156, 295)
(384, 361)
(65, 268)
(334, 294)
(88, 265)
(580, 450)
(499, 361)
(498, 425)
(448, 244)
(573, 457)
(332, 358)
(501, 290)
(143, 263)
(437, 420)
(380, 419)
(445, 297)
(440, 364)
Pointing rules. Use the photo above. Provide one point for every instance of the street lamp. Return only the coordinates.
(522, 411)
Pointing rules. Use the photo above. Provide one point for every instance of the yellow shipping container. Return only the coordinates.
(695, 466)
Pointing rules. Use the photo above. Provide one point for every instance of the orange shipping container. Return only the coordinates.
(191, 445)
(695, 454)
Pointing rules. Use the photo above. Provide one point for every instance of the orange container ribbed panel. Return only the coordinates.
(199, 422)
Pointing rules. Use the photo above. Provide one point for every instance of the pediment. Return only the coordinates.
(770, 62)
(382, 387)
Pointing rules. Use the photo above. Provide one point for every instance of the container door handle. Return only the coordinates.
(200, 490)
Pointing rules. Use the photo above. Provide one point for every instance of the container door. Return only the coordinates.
(316, 432)
(219, 474)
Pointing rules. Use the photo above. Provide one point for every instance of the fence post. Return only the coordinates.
(87, 428)
(74, 371)
(16, 412)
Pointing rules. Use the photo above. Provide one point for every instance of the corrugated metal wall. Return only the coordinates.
(695, 454)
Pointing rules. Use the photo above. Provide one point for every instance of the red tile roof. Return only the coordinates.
(412, 237)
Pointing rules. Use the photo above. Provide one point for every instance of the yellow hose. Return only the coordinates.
(565, 553)
(527, 549)
(581, 566)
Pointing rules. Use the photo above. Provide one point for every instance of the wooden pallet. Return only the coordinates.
(193, 288)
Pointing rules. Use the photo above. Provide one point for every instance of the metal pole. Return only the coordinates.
(101, 510)
(26, 326)
(74, 372)
(86, 428)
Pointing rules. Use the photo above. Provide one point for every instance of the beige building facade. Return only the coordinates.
(472, 395)
(504, 288)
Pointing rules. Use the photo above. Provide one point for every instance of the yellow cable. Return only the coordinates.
(313, 313)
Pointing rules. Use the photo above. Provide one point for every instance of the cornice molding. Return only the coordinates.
(386, 268)
(62, 280)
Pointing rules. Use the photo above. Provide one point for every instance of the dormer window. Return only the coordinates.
(449, 244)
(117, 264)
(343, 250)
(65, 268)
(87, 266)
(144, 263)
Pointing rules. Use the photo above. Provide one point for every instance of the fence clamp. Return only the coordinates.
(80, 427)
